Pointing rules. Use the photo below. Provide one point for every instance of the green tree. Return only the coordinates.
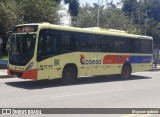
(129, 7)
(145, 14)
(153, 8)
(86, 17)
(110, 18)
(39, 11)
(9, 12)
(15, 12)
(73, 6)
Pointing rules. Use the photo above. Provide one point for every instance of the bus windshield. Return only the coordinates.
(21, 48)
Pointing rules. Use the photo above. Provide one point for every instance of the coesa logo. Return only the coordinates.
(83, 61)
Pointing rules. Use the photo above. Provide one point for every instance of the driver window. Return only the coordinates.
(47, 45)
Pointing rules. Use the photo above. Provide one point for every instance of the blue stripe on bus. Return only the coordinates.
(140, 59)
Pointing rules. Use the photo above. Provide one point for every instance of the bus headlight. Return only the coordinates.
(29, 67)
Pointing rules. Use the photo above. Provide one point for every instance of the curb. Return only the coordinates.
(155, 69)
(5, 76)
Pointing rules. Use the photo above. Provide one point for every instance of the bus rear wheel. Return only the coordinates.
(69, 75)
(126, 72)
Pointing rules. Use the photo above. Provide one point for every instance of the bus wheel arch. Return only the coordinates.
(126, 71)
(69, 73)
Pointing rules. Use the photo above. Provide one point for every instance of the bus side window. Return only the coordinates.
(41, 45)
(132, 46)
(119, 45)
(103, 45)
(92, 46)
(137, 46)
(112, 45)
(65, 42)
(46, 44)
(82, 42)
(146, 46)
(73, 43)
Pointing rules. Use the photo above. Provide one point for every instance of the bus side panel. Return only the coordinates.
(88, 64)
(111, 63)
(102, 69)
(49, 68)
(141, 62)
(79, 59)
(141, 67)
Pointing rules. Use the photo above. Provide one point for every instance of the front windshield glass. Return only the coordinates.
(21, 48)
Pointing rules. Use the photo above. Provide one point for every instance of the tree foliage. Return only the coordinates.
(15, 12)
(110, 17)
(145, 14)
(9, 13)
(130, 6)
(86, 17)
(153, 8)
(135, 16)
(73, 6)
(40, 11)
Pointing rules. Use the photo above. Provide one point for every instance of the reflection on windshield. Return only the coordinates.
(21, 48)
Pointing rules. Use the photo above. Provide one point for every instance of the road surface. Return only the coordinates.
(143, 91)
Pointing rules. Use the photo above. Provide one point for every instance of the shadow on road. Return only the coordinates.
(5, 76)
(31, 85)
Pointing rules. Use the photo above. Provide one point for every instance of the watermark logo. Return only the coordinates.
(6, 111)
(21, 111)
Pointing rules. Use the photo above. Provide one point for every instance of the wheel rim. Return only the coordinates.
(69, 75)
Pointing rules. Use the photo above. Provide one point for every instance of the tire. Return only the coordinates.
(126, 72)
(69, 75)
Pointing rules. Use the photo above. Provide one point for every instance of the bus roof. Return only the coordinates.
(92, 30)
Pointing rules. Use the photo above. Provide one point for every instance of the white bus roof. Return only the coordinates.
(93, 30)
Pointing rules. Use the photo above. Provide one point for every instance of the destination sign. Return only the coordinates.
(26, 28)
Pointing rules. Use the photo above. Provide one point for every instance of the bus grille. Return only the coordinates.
(18, 74)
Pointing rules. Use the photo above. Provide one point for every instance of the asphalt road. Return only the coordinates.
(143, 91)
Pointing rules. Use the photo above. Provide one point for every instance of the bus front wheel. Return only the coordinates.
(126, 72)
(69, 75)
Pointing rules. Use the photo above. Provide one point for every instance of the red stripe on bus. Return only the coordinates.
(31, 74)
(115, 59)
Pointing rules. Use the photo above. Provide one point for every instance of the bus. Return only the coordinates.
(41, 51)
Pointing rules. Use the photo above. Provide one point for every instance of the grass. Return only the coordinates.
(3, 57)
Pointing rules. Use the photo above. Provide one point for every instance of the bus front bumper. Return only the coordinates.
(30, 74)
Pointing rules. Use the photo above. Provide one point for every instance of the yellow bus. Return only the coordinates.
(46, 51)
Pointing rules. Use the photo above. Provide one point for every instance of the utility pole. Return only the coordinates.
(98, 8)
(146, 19)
